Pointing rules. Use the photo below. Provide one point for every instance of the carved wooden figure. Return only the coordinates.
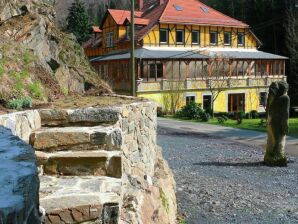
(278, 106)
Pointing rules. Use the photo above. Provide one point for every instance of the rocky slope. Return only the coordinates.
(36, 58)
(95, 8)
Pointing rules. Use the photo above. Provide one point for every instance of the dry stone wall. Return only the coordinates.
(98, 165)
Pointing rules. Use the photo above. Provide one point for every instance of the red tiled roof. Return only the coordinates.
(195, 12)
(153, 17)
(121, 15)
(96, 29)
(140, 21)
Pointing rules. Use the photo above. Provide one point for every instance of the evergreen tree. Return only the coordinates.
(291, 46)
(78, 22)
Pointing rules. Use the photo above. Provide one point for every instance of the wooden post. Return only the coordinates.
(118, 70)
(139, 68)
(148, 71)
(267, 68)
(202, 72)
(196, 74)
(284, 65)
(164, 70)
(187, 69)
(132, 49)
(172, 70)
(155, 70)
(279, 68)
(210, 68)
(237, 69)
(230, 68)
(249, 68)
(179, 70)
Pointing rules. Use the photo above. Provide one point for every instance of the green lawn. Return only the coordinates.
(254, 124)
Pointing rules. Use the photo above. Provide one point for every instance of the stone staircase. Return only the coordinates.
(80, 165)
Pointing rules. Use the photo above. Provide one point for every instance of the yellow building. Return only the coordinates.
(186, 51)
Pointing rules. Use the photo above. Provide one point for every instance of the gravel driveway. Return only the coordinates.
(221, 181)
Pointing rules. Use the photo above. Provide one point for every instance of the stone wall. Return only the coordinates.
(19, 182)
(148, 194)
(98, 164)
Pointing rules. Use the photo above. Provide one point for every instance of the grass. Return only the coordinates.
(254, 124)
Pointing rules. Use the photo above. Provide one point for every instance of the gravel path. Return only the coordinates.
(220, 181)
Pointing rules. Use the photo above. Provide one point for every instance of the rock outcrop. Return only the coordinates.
(36, 58)
(19, 183)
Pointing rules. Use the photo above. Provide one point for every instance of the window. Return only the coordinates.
(263, 98)
(178, 7)
(164, 34)
(190, 99)
(236, 102)
(109, 39)
(180, 36)
(227, 38)
(207, 102)
(240, 39)
(159, 70)
(195, 37)
(205, 9)
(213, 38)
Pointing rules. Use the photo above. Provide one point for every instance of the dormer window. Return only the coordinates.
(109, 39)
(180, 36)
(213, 38)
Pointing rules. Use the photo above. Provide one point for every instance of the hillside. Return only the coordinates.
(36, 58)
(95, 8)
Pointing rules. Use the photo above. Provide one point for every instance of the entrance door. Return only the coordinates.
(237, 102)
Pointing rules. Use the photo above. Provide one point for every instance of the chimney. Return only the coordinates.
(141, 4)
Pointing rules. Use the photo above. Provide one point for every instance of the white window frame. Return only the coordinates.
(230, 38)
(241, 44)
(198, 35)
(109, 39)
(189, 95)
(183, 37)
(214, 44)
(167, 35)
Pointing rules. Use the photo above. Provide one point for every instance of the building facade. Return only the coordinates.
(186, 51)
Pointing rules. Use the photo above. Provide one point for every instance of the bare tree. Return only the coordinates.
(172, 99)
(217, 78)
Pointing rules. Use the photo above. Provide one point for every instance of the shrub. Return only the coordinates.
(21, 103)
(191, 110)
(222, 119)
(160, 112)
(36, 90)
(239, 117)
(263, 123)
(205, 117)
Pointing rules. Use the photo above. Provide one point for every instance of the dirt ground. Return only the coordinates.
(73, 102)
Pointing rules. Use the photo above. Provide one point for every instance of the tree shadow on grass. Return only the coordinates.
(239, 164)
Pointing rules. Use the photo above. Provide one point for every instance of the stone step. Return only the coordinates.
(90, 116)
(76, 138)
(77, 199)
(81, 163)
